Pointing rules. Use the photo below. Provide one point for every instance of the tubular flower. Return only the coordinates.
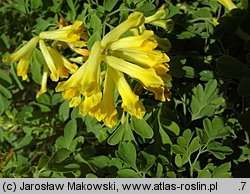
(23, 55)
(159, 19)
(70, 34)
(106, 110)
(85, 81)
(134, 20)
(147, 76)
(58, 65)
(228, 4)
(137, 57)
(44, 81)
(130, 101)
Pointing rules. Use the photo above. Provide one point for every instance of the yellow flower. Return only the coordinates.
(58, 65)
(63, 65)
(23, 55)
(159, 19)
(106, 110)
(147, 76)
(89, 103)
(139, 49)
(90, 83)
(85, 81)
(130, 101)
(134, 20)
(54, 75)
(44, 81)
(70, 34)
(228, 4)
(136, 56)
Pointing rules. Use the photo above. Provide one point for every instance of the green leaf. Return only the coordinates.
(127, 153)
(128, 134)
(115, 162)
(208, 127)
(64, 110)
(117, 135)
(203, 13)
(146, 8)
(43, 161)
(109, 4)
(56, 98)
(177, 149)
(20, 5)
(25, 140)
(232, 68)
(159, 171)
(96, 23)
(146, 160)
(205, 173)
(90, 175)
(178, 160)
(72, 8)
(216, 128)
(141, 127)
(219, 155)
(206, 75)
(194, 145)
(170, 125)
(222, 171)
(93, 38)
(187, 134)
(60, 143)
(70, 132)
(2, 104)
(36, 4)
(164, 137)
(5, 92)
(218, 150)
(5, 76)
(100, 161)
(60, 156)
(205, 101)
(128, 173)
(190, 72)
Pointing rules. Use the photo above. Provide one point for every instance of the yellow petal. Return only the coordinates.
(130, 101)
(81, 51)
(161, 69)
(131, 41)
(22, 68)
(24, 52)
(143, 58)
(71, 86)
(147, 76)
(106, 110)
(159, 15)
(90, 82)
(44, 82)
(63, 65)
(228, 4)
(49, 61)
(159, 93)
(134, 20)
(75, 101)
(71, 33)
(90, 102)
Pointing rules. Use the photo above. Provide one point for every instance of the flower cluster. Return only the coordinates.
(109, 64)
